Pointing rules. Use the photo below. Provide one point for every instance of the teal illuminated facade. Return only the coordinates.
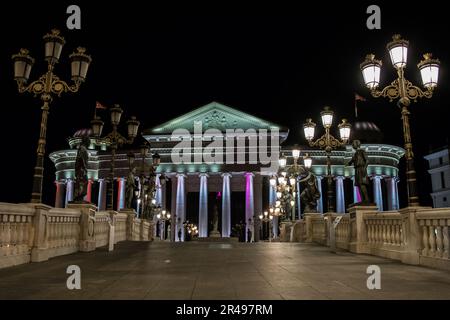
(227, 178)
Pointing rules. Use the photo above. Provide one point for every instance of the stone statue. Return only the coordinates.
(130, 188)
(81, 170)
(360, 164)
(310, 194)
(215, 222)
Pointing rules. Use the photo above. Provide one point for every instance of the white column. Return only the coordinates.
(319, 202)
(158, 190)
(299, 203)
(356, 194)
(249, 201)
(226, 206)
(272, 200)
(392, 193)
(340, 196)
(377, 193)
(102, 194)
(164, 193)
(203, 206)
(180, 207)
(69, 191)
(396, 205)
(173, 207)
(60, 194)
(121, 193)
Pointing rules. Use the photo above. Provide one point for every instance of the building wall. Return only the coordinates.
(439, 170)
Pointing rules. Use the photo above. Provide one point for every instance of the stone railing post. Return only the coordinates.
(358, 242)
(328, 217)
(308, 225)
(87, 225)
(143, 236)
(112, 230)
(131, 215)
(39, 250)
(412, 236)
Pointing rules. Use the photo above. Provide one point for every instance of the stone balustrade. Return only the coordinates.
(343, 233)
(434, 234)
(102, 228)
(416, 235)
(62, 231)
(120, 222)
(16, 234)
(33, 233)
(384, 229)
(318, 230)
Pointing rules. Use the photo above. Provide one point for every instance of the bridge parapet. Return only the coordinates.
(36, 232)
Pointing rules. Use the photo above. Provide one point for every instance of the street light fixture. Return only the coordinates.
(267, 218)
(46, 87)
(288, 177)
(403, 90)
(114, 140)
(327, 142)
(148, 182)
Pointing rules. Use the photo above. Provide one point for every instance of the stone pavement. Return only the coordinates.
(201, 270)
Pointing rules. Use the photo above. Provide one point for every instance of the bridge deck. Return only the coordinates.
(221, 271)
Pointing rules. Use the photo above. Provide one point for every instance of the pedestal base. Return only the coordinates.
(215, 234)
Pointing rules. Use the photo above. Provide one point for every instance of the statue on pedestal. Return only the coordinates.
(81, 170)
(360, 163)
(310, 194)
(215, 223)
(130, 187)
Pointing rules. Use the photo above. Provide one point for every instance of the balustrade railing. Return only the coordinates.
(16, 233)
(63, 231)
(102, 228)
(384, 229)
(31, 232)
(434, 232)
(120, 227)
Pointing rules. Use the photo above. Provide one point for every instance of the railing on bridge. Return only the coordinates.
(31, 232)
(416, 235)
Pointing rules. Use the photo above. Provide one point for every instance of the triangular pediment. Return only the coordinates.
(214, 116)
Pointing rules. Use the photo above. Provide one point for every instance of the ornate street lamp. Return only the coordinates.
(147, 182)
(47, 86)
(286, 183)
(114, 140)
(328, 142)
(404, 91)
(266, 218)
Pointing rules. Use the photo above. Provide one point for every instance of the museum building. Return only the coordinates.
(237, 188)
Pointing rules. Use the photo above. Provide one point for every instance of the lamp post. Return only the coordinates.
(266, 218)
(327, 142)
(163, 217)
(148, 184)
(114, 140)
(403, 90)
(46, 87)
(286, 182)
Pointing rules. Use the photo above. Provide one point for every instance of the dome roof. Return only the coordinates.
(366, 132)
(83, 133)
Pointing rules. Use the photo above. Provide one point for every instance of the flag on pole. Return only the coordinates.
(98, 105)
(358, 98)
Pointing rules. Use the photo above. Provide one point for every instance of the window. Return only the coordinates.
(442, 179)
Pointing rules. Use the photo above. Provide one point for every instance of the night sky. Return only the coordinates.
(277, 61)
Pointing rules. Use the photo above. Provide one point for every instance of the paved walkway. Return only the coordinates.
(221, 271)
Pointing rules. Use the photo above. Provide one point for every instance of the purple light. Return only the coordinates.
(358, 194)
